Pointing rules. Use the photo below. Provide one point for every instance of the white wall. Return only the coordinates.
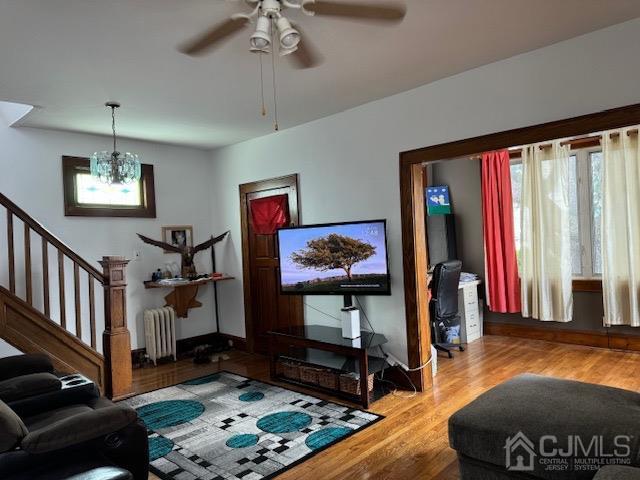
(348, 163)
(31, 166)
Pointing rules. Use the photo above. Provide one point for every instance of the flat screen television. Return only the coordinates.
(335, 259)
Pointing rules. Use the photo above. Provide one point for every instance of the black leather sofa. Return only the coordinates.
(535, 427)
(53, 434)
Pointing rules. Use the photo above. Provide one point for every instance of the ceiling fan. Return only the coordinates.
(274, 30)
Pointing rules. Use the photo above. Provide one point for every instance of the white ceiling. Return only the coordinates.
(67, 57)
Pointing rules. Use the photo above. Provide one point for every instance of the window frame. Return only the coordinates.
(585, 215)
(71, 166)
(587, 281)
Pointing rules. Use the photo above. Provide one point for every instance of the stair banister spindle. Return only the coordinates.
(76, 293)
(45, 276)
(92, 312)
(10, 250)
(27, 265)
(63, 306)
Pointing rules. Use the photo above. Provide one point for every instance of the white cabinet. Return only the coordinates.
(469, 311)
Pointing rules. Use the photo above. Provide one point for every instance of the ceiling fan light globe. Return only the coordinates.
(259, 42)
(260, 50)
(290, 38)
(261, 38)
(287, 51)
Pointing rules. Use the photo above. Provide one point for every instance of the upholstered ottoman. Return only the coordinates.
(542, 427)
(616, 472)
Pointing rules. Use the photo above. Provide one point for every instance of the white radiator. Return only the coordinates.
(160, 333)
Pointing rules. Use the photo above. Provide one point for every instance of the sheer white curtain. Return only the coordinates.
(545, 238)
(621, 227)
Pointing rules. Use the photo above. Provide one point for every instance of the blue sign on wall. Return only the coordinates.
(438, 202)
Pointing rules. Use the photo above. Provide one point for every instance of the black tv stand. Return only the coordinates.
(348, 301)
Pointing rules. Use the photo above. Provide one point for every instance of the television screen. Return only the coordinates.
(334, 259)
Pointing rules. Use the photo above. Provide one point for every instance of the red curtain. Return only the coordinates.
(501, 266)
(269, 213)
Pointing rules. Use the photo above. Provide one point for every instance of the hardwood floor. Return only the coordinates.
(411, 442)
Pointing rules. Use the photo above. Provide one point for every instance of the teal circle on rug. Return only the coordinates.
(203, 380)
(242, 441)
(169, 413)
(326, 436)
(251, 397)
(159, 447)
(283, 422)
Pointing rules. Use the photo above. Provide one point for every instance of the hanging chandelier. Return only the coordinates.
(115, 167)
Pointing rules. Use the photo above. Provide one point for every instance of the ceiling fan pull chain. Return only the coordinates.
(264, 108)
(273, 69)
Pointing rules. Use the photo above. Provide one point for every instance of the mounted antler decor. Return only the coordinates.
(187, 252)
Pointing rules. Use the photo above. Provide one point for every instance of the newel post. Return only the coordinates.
(116, 342)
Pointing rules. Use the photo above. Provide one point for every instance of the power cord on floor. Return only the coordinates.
(394, 392)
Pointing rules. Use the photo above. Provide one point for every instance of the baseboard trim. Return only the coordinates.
(185, 346)
(613, 341)
(239, 343)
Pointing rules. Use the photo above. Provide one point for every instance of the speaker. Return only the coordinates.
(441, 238)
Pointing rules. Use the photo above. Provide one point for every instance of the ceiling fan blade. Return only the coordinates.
(389, 12)
(307, 55)
(211, 37)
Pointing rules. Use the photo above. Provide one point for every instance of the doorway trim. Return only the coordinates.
(287, 181)
(412, 185)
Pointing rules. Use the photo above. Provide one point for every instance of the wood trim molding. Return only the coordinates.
(185, 346)
(413, 229)
(287, 181)
(415, 260)
(575, 337)
(239, 343)
(586, 285)
(71, 165)
(582, 125)
(610, 340)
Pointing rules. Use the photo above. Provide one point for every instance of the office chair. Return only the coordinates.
(443, 306)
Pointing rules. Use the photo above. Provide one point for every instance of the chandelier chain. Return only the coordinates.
(113, 127)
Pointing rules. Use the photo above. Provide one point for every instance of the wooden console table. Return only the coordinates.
(183, 295)
(324, 346)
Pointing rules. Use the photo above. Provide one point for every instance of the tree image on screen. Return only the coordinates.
(334, 252)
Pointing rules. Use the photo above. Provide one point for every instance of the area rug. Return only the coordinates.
(226, 427)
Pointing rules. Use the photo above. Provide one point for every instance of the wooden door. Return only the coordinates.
(265, 307)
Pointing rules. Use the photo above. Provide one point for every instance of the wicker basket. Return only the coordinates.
(309, 374)
(291, 370)
(349, 383)
(328, 379)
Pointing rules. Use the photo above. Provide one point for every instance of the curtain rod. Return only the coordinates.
(581, 142)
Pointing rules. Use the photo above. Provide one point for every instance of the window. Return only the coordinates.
(585, 205)
(86, 196)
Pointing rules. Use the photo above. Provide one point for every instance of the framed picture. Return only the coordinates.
(178, 235)
(438, 201)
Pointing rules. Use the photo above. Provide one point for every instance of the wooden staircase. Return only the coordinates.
(28, 322)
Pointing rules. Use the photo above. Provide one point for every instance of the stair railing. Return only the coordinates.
(116, 344)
